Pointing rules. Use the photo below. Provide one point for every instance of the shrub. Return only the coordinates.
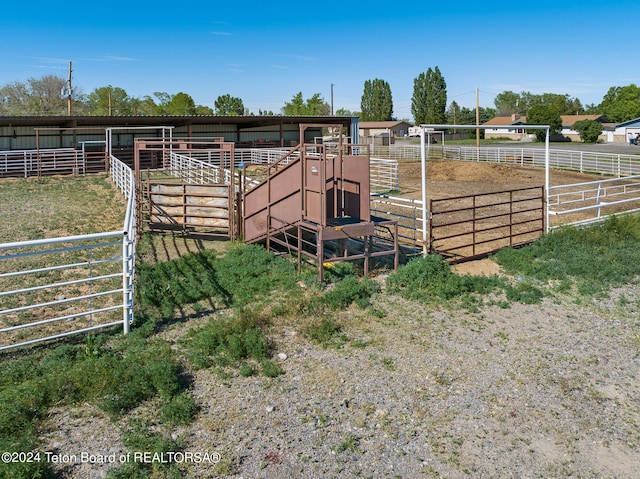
(249, 272)
(227, 342)
(181, 409)
(350, 290)
(429, 279)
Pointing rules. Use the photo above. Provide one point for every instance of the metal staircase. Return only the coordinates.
(314, 203)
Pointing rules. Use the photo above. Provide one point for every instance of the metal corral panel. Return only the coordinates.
(285, 199)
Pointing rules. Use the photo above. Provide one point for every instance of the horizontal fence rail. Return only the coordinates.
(471, 226)
(57, 287)
(56, 161)
(589, 201)
(408, 215)
(611, 164)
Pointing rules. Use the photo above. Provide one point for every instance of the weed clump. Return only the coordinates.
(226, 342)
(429, 279)
(350, 290)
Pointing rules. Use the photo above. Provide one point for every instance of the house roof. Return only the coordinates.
(567, 120)
(507, 120)
(570, 120)
(380, 124)
(634, 122)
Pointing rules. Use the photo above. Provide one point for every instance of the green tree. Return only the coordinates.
(144, 106)
(13, 99)
(563, 103)
(507, 103)
(621, 103)
(429, 100)
(314, 106)
(204, 110)
(108, 100)
(376, 103)
(317, 106)
(227, 105)
(344, 112)
(589, 130)
(181, 104)
(544, 115)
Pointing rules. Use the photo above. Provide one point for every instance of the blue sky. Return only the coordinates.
(265, 52)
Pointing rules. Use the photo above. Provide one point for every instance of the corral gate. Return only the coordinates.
(177, 206)
(182, 193)
(466, 227)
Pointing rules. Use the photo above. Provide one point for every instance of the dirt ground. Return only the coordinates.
(447, 178)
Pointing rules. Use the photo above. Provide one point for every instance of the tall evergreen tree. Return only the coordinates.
(429, 101)
(376, 103)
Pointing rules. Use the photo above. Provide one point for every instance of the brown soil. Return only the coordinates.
(455, 178)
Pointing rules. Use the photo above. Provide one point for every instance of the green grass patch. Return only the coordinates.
(228, 342)
(429, 279)
(594, 258)
(116, 374)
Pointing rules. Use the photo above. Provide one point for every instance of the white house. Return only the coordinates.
(623, 131)
(517, 132)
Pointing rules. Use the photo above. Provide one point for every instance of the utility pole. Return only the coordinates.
(332, 99)
(69, 91)
(454, 117)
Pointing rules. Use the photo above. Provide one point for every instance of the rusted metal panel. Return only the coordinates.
(203, 207)
(466, 227)
(347, 231)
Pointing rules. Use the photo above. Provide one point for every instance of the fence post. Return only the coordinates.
(127, 282)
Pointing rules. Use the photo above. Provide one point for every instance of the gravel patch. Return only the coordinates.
(530, 391)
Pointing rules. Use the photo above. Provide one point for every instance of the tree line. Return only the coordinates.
(46, 96)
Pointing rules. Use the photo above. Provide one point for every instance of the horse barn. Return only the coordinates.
(32, 132)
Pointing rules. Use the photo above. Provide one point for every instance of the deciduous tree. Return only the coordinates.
(429, 100)
(314, 106)
(376, 103)
(108, 100)
(544, 115)
(621, 103)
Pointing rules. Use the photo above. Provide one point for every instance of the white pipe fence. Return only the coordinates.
(57, 287)
(612, 164)
(27, 163)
